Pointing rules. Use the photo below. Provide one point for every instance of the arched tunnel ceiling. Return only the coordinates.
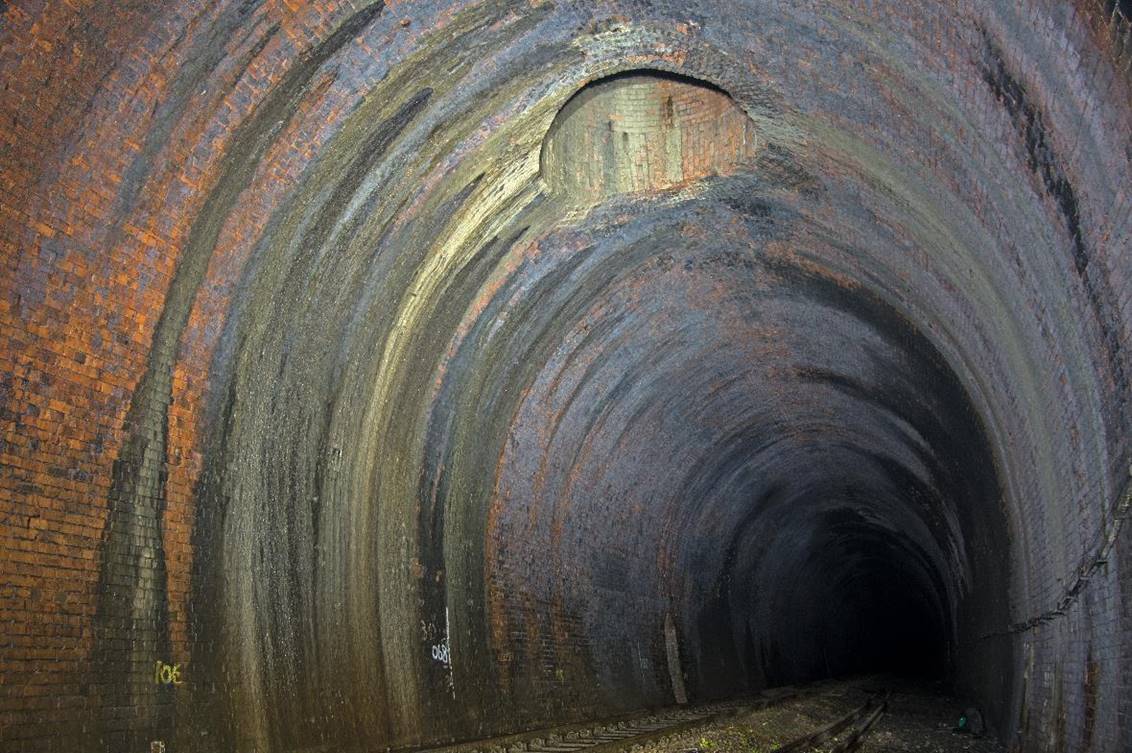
(454, 350)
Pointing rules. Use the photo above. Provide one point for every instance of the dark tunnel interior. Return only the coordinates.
(397, 375)
(666, 413)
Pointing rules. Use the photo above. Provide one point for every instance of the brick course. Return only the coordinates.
(355, 181)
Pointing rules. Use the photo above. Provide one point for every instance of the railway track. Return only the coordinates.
(845, 733)
(616, 736)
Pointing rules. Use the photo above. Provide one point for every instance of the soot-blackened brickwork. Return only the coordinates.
(326, 421)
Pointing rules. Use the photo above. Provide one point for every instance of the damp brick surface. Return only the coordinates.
(327, 421)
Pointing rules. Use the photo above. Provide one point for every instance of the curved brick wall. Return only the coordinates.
(328, 423)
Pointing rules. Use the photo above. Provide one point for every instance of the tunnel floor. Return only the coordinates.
(879, 714)
(919, 718)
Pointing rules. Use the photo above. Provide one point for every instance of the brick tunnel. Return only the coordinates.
(390, 375)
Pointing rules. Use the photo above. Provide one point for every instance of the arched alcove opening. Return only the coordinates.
(644, 130)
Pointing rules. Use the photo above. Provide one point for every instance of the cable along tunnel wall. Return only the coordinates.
(322, 389)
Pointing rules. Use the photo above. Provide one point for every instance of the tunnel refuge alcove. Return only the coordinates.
(644, 130)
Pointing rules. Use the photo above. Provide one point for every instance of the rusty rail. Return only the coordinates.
(614, 735)
(859, 721)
